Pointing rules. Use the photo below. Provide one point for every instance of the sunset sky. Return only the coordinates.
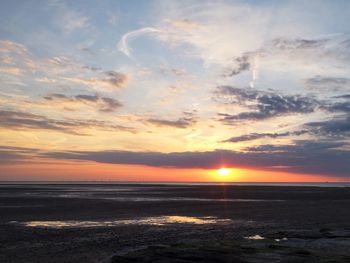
(174, 90)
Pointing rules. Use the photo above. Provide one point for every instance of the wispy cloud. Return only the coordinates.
(323, 83)
(255, 136)
(15, 58)
(11, 70)
(27, 121)
(179, 123)
(67, 18)
(104, 104)
(20, 65)
(73, 20)
(111, 80)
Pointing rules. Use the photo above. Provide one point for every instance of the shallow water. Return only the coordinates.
(255, 237)
(120, 193)
(166, 199)
(158, 221)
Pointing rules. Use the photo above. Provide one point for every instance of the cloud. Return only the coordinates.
(241, 64)
(111, 80)
(346, 96)
(116, 79)
(12, 155)
(337, 104)
(180, 123)
(302, 49)
(25, 121)
(56, 70)
(7, 46)
(294, 50)
(215, 33)
(295, 53)
(338, 127)
(322, 50)
(123, 45)
(73, 20)
(104, 104)
(173, 71)
(322, 83)
(113, 19)
(304, 157)
(220, 32)
(265, 105)
(61, 61)
(339, 107)
(183, 23)
(68, 19)
(9, 157)
(255, 136)
(17, 120)
(11, 70)
(290, 44)
(15, 58)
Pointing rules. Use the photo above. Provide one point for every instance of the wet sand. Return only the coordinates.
(317, 214)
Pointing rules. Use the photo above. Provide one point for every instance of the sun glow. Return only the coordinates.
(223, 171)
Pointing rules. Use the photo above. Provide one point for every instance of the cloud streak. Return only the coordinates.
(181, 123)
(103, 104)
(322, 83)
(17, 120)
(111, 80)
(255, 136)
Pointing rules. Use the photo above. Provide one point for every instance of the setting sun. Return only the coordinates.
(223, 171)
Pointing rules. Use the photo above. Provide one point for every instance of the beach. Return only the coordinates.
(173, 223)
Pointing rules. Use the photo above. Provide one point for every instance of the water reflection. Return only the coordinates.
(183, 199)
(255, 237)
(279, 240)
(157, 221)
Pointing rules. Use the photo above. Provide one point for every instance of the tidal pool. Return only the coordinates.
(157, 221)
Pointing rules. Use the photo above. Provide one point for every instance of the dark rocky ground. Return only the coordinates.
(313, 222)
(286, 247)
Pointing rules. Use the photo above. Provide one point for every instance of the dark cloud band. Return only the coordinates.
(305, 157)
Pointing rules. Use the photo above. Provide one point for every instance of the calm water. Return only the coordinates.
(120, 193)
(150, 192)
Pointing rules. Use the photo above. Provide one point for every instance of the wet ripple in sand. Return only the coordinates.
(157, 221)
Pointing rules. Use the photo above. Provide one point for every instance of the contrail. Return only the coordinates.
(255, 71)
(123, 43)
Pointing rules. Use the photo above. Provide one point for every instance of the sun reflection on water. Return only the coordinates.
(157, 221)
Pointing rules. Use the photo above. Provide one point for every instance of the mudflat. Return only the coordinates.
(173, 223)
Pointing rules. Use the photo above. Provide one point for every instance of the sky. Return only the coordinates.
(163, 90)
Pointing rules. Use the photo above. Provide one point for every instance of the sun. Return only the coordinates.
(223, 171)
